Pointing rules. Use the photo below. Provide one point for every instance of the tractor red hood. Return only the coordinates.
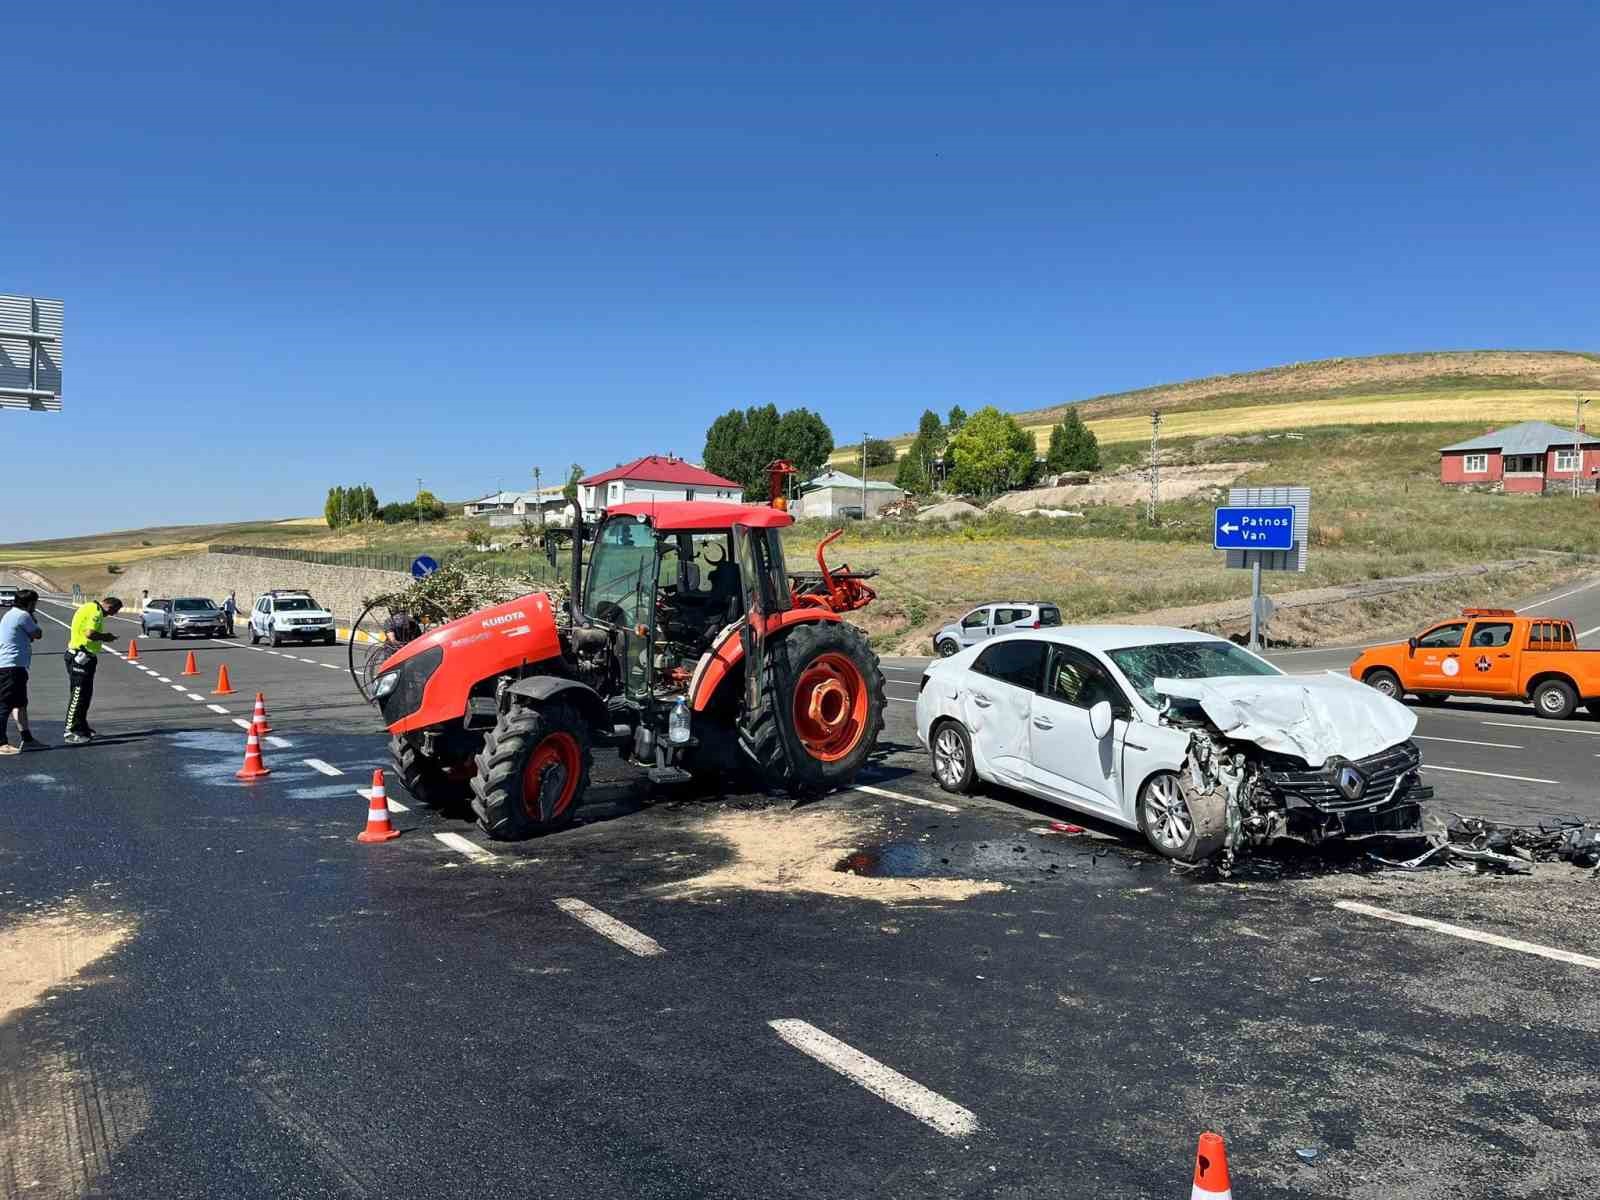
(503, 625)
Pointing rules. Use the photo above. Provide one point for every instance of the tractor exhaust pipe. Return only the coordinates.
(575, 597)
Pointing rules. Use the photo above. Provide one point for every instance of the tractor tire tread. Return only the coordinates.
(497, 787)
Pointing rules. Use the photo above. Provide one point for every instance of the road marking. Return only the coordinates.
(932, 1109)
(918, 800)
(242, 723)
(1490, 774)
(162, 679)
(197, 698)
(330, 666)
(1422, 737)
(217, 708)
(898, 700)
(394, 805)
(1471, 935)
(1561, 596)
(456, 842)
(316, 764)
(626, 936)
(1587, 632)
(178, 687)
(1542, 728)
(278, 742)
(312, 661)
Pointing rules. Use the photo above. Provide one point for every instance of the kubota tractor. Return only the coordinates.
(686, 646)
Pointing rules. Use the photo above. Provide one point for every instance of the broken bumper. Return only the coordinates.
(1387, 801)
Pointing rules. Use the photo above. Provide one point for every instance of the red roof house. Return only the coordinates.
(655, 477)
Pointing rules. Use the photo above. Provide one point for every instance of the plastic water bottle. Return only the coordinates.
(678, 723)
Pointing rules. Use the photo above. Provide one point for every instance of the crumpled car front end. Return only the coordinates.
(1307, 758)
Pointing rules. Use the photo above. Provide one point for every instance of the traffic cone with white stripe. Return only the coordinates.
(379, 827)
(133, 649)
(254, 767)
(188, 665)
(259, 720)
(1211, 1169)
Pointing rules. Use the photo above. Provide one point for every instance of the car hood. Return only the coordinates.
(1313, 717)
(301, 613)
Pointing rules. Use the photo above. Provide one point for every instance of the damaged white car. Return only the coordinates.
(1200, 745)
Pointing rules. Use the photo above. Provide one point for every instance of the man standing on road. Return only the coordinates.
(230, 608)
(18, 632)
(83, 656)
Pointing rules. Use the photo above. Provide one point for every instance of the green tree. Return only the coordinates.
(805, 440)
(956, 419)
(931, 430)
(369, 503)
(1073, 446)
(879, 452)
(912, 474)
(569, 490)
(330, 508)
(430, 506)
(991, 454)
(721, 455)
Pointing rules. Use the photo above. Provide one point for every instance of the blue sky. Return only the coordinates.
(371, 242)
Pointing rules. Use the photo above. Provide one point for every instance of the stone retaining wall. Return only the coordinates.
(341, 590)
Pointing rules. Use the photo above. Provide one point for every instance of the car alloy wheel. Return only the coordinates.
(1166, 815)
(949, 757)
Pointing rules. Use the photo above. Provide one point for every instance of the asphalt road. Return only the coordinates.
(272, 1009)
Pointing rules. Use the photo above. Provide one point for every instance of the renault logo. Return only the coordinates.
(1351, 782)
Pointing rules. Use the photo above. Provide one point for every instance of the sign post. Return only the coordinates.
(1265, 529)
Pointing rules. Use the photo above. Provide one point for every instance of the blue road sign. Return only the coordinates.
(1254, 528)
(423, 567)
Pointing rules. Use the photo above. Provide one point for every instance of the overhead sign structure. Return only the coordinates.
(1264, 529)
(423, 566)
(1254, 528)
(30, 353)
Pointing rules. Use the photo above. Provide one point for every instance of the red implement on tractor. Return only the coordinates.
(687, 647)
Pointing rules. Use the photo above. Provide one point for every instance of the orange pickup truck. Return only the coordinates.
(1490, 652)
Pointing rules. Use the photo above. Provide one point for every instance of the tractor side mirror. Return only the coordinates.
(1100, 720)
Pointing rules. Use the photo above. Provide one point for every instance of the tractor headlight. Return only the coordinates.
(386, 684)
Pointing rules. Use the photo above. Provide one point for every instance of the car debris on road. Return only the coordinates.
(1479, 846)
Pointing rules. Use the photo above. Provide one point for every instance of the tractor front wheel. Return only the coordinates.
(429, 781)
(822, 710)
(532, 771)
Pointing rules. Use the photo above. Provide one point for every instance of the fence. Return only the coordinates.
(505, 563)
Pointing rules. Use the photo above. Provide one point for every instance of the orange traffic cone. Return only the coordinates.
(133, 649)
(1211, 1170)
(379, 827)
(253, 767)
(188, 665)
(259, 720)
(224, 684)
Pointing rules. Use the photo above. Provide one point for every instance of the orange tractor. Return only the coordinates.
(686, 646)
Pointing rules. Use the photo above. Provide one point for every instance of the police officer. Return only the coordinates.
(83, 656)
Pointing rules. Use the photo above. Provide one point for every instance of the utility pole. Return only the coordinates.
(417, 504)
(1155, 463)
(863, 477)
(1577, 440)
(538, 497)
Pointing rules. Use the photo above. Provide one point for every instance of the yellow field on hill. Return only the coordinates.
(75, 560)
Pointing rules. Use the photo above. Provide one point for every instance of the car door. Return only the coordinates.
(975, 625)
(262, 621)
(1014, 619)
(1064, 756)
(1435, 665)
(997, 702)
(1488, 662)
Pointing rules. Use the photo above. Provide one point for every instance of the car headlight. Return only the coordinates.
(386, 684)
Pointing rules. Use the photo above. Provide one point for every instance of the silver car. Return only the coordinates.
(187, 616)
(991, 620)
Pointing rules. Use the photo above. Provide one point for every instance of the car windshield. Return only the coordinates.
(1143, 665)
(296, 604)
(191, 604)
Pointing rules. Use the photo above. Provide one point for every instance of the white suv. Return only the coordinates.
(992, 620)
(284, 616)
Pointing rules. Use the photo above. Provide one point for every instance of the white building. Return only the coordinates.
(655, 477)
(509, 508)
(833, 491)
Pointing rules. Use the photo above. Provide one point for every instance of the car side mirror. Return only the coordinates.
(1100, 719)
(1411, 645)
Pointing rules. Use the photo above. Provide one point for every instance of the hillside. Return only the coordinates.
(1456, 386)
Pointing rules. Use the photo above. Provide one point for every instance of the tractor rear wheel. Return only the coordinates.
(532, 771)
(429, 781)
(822, 708)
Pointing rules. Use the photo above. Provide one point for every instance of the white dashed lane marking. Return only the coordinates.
(607, 926)
(316, 764)
(1427, 766)
(394, 805)
(460, 844)
(218, 709)
(195, 698)
(909, 1096)
(1471, 935)
(162, 679)
(1421, 737)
